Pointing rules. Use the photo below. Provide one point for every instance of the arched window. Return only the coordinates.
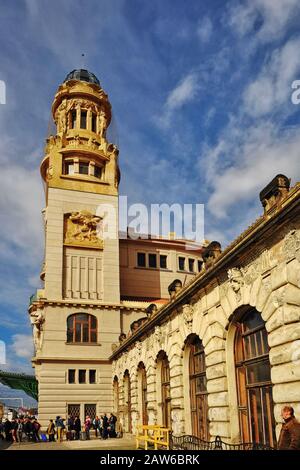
(116, 395)
(165, 389)
(142, 395)
(253, 375)
(198, 389)
(127, 400)
(81, 328)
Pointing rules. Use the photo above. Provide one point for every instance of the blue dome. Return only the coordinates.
(82, 75)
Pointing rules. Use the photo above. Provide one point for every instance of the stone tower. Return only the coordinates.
(76, 316)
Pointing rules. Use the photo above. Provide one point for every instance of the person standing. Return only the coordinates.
(105, 427)
(289, 438)
(77, 427)
(96, 423)
(87, 426)
(51, 431)
(60, 428)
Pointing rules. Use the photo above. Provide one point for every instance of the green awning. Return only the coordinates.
(27, 383)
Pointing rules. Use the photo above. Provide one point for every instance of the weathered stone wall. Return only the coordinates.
(268, 279)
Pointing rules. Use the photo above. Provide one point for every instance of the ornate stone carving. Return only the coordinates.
(102, 124)
(83, 228)
(291, 245)
(93, 143)
(236, 281)
(187, 312)
(138, 346)
(62, 117)
(157, 335)
(37, 321)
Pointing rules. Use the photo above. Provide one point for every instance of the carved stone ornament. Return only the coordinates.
(138, 347)
(157, 335)
(236, 281)
(291, 246)
(187, 312)
(83, 229)
(37, 321)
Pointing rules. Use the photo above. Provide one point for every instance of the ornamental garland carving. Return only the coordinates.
(187, 312)
(291, 245)
(83, 229)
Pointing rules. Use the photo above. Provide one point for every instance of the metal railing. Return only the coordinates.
(195, 443)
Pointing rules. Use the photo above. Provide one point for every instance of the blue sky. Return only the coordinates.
(201, 96)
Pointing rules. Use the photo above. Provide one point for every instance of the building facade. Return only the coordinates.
(96, 287)
(222, 357)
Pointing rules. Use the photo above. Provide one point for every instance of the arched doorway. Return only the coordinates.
(127, 402)
(164, 365)
(142, 393)
(253, 377)
(198, 389)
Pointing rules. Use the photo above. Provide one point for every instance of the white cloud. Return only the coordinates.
(257, 156)
(272, 88)
(20, 213)
(205, 29)
(270, 17)
(183, 93)
(22, 346)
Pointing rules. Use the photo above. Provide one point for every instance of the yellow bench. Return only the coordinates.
(152, 434)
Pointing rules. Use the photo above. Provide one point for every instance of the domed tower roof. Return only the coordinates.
(82, 75)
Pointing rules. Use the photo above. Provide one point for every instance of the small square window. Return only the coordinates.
(191, 265)
(82, 376)
(71, 376)
(92, 376)
(163, 261)
(141, 259)
(181, 263)
(152, 260)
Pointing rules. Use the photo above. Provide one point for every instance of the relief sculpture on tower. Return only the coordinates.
(84, 229)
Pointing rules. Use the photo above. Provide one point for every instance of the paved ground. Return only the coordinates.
(125, 443)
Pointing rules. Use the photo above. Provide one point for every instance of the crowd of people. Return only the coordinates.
(28, 428)
(19, 429)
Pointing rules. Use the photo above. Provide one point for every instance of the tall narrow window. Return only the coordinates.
(82, 376)
(92, 376)
(152, 260)
(98, 171)
(163, 261)
(71, 376)
(198, 390)
(253, 375)
(81, 328)
(141, 260)
(83, 119)
(165, 390)
(94, 120)
(191, 265)
(143, 392)
(181, 263)
(127, 396)
(73, 119)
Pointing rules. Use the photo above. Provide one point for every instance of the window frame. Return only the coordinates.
(92, 330)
